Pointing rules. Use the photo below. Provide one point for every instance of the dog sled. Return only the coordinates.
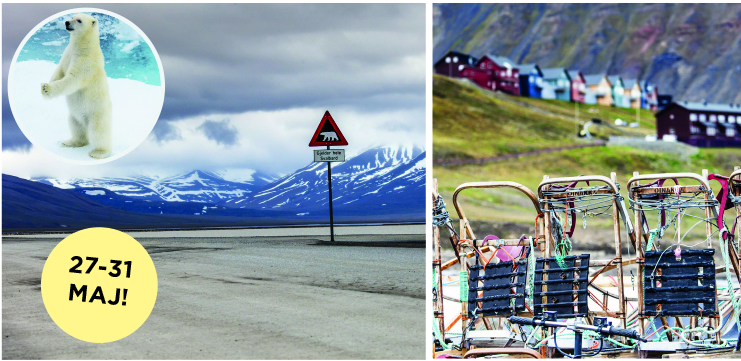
(537, 296)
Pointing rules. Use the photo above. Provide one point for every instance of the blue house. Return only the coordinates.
(558, 82)
(531, 81)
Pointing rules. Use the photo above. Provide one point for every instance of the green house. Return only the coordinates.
(618, 91)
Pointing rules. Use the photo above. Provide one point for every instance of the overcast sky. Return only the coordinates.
(247, 84)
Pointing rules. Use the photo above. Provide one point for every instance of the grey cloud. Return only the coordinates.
(13, 138)
(221, 132)
(164, 132)
(223, 58)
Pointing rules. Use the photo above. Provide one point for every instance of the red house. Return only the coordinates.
(578, 86)
(452, 64)
(503, 75)
(480, 77)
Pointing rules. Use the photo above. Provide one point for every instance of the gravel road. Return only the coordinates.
(245, 296)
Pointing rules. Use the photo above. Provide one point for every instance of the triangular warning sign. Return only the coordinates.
(328, 133)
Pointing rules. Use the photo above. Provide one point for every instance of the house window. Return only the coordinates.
(694, 130)
(503, 73)
(671, 131)
(693, 117)
(447, 60)
(713, 118)
(702, 117)
(730, 132)
(671, 116)
(711, 132)
(722, 118)
(490, 66)
(460, 67)
(509, 72)
(531, 79)
(455, 59)
(731, 119)
(483, 66)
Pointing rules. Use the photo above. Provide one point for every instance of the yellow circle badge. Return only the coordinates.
(99, 285)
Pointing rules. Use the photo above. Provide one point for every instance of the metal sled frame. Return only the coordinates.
(641, 233)
(735, 185)
(596, 267)
(466, 232)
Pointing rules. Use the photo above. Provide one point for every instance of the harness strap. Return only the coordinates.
(722, 198)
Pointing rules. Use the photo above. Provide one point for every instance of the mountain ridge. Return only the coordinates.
(691, 51)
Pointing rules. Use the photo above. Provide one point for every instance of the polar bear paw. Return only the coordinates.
(46, 90)
(99, 153)
(73, 143)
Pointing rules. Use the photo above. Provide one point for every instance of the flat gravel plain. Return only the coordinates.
(240, 295)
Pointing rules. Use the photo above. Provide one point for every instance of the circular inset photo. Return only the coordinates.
(86, 85)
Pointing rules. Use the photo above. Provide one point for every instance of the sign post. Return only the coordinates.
(328, 134)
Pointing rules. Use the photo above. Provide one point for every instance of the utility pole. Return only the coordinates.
(576, 118)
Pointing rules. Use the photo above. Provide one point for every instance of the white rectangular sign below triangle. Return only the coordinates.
(329, 155)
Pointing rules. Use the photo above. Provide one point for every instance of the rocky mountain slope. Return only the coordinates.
(692, 51)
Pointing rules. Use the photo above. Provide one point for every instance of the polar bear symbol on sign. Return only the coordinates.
(329, 136)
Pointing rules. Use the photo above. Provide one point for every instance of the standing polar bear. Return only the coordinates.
(81, 77)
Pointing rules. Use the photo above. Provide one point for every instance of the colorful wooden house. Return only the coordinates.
(701, 124)
(632, 92)
(452, 64)
(558, 82)
(504, 74)
(531, 80)
(618, 91)
(578, 86)
(599, 86)
(480, 77)
(650, 96)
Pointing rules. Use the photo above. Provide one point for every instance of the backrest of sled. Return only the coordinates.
(561, 286)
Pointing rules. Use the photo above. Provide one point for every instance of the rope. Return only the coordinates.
(563, 245)
(463, 280)
(531, 274)
(440, 215)
(436, 330)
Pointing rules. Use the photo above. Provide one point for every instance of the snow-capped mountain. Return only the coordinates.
(195, 186)
(384, 184)
(384, 177)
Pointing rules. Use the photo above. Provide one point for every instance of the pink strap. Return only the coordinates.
(722, 198)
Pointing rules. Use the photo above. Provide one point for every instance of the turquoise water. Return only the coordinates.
(127, 55)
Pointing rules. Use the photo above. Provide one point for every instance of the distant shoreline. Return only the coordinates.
(234, 228)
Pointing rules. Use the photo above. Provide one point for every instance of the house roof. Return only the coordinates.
(594, 79)
(730, 108)
(458, 54)
(615, 79)
(528, 68)
(712, 107)
(501, 60)
(554, 73)
(574, 74)
(649, 87)
(629, 83)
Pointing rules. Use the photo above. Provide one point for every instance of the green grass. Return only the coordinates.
(468, 122)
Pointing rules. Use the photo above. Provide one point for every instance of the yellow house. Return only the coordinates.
(600, 85)
(633, 92)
